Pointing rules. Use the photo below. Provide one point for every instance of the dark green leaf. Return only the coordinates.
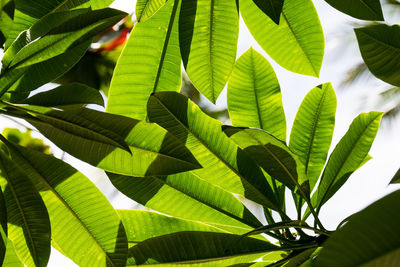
(147, 8)
(396, 178)
(81, 217)
(224, 164)
(65, 95)
(297, 43)
(370, 237)
(27, 217)
(272, 8)
(380, 49)
(360, 9)
(312, 130)
(254, 95)
(150, 62)
(208, 34)
(3, 242)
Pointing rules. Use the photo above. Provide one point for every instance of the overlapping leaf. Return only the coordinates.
(360, 9)
(312, 130)
(272, 8)
(224, 164)
(150, 62)
(208, 34)
(10, 258)
(348, 155)
(380, 49)
(254, 95)
(84, 224)
(370, 237)
(297, 43)
(111, 142)
(27, 217)
(187, 196)
(396, 178)
(147, 8)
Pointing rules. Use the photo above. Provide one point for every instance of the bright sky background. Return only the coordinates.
(341, 53)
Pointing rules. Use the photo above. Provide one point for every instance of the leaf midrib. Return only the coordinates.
(254, 81)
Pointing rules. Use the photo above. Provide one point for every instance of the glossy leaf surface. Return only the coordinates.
(370, 237)
(27, 217)
(297, 43)
(380, 49)
(208, 34)
(224, 164)
(360, 9)
(150, 62)
(254, 95)
(82, 219)
(312, 130)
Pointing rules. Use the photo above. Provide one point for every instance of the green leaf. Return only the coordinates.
(272, 155)
(3, 242)
(348, 154)
(149, 63)
(83, 222)
(122, 145)
(66, 95)
(297, 43)
(187, 196)
(254, 95)
(6, 19)
(11, 259)
(71, 33)
(370, 237)
(396, 178)
(360, 9)
(147, 8)
(224, 164)
(380, 49)
(27, 217)
(99, 4)
(272, 8)
(312, 130)
(208, 35)
(194, 247)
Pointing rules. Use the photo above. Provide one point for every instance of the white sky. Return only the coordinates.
(366, 185)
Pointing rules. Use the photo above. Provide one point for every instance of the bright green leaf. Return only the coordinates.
(122, 145)
(224, 164)
(272, 8)
(65, 95)
(370, 237)
(83, 223)
(254, 95)
(380, 49)
(27, 217)
(208, 34)
(147, 8)
(11, 259)
(297, 43)
(149, 63)
(348, 154)
(312, 130)
(360, 9)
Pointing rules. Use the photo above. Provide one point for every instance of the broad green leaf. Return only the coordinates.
(396, 178)
(360, 9)
(6, 19)
(197, 247)
(370, 237)
(312, 130)
(27, 217)
(66, 95)
(272, 155)
(380, 49)
(300, 258)
(11, 259)
(69, 34)
(297, 43)
(3, 243)
(187, 196)
(224, 164)
(254, 95)
(3, 207)
(142, 225)
(99, 4)
(272, 8)
(83, 223)
(147, 8)
(348, 154)
(150, 62)
(208, 35)
(20, 82)
(122, 145)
